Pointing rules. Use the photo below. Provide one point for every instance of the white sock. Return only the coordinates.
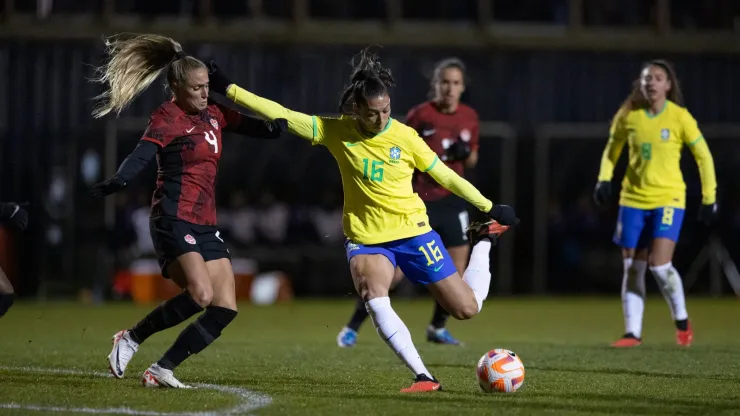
(395, 333)
(478, 273)
(633, 295)
(671, 286)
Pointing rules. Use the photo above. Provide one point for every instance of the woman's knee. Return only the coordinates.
(465, 310)
(201, 292)
(370, 279)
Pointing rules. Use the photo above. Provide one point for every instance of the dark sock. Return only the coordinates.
(682, 325)
(197, 336)
(359, 316)
(439, 319)
(6, 301)
(166, 315)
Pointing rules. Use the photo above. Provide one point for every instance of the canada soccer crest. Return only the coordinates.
(214, 123)
(465, 135)
(189, 239)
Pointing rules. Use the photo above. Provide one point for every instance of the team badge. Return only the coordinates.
(665, 134)
(465, 135)
(189, 239)
(214, 123)
(395, 153)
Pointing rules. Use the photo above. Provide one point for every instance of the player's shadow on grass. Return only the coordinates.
(621, 371)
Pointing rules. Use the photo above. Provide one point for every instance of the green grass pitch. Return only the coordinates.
(287, 353)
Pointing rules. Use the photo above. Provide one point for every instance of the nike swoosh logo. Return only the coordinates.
(436, 269)
(348, 144)
(191, 129)
(428, 132)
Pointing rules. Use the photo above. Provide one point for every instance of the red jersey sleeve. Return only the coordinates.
(228, 118)
(475, 132)
(160, 129)
(413, 119)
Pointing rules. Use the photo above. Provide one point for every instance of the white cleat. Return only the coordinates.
(124, 349)
(156, 376)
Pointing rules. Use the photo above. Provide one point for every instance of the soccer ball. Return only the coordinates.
(500, 370)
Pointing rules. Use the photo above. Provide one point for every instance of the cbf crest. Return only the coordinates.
(395, 154)
(665, 134)
(214, 123)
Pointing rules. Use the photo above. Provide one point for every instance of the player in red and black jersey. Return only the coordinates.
(450, 128)
(185, 136)
(16, 215)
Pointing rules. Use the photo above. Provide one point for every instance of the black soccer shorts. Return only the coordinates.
(173, 237)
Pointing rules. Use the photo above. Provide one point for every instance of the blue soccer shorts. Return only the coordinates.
(423, 259)
(636, 228)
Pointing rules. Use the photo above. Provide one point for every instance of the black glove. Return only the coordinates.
(708, 213)
(15, 213)
(459, 150)
(108, 186)
(504, 214)
(217, 80)
(602, 192)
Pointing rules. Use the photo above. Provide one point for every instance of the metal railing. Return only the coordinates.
(484, 30)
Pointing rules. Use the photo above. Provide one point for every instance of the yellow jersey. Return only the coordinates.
(380, 204)
(653, 178)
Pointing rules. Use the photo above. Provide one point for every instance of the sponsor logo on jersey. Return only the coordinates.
(189, 239)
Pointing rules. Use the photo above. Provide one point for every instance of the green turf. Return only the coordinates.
(289, 353)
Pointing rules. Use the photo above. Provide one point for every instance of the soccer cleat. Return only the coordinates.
(423, 384)
(156, 376)
(347, 338)
(124, 349)
(684, 338)
(441, 336)
(491, 230)
(627, 341)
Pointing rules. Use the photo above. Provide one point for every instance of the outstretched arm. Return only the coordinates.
(249, 126)
(459, 186)
(427, 161)
(134, 163)
(299, 124)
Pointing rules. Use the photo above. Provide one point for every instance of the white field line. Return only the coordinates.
(248, 400)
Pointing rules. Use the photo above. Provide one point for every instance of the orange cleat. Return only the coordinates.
(684, 338)
(627, 341)
(489, 229)
(423, 384)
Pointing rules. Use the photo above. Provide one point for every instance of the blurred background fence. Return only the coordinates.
(546, 76)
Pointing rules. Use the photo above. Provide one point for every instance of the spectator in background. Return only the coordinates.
(272, 218)
(140, 222)
(326, 218)
(239, 219)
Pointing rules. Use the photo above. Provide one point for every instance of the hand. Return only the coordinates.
(602, 192)
(217, 80)
(107, 187)
(708, 213)
(17, 214)
(504, 214)
(459, 150)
